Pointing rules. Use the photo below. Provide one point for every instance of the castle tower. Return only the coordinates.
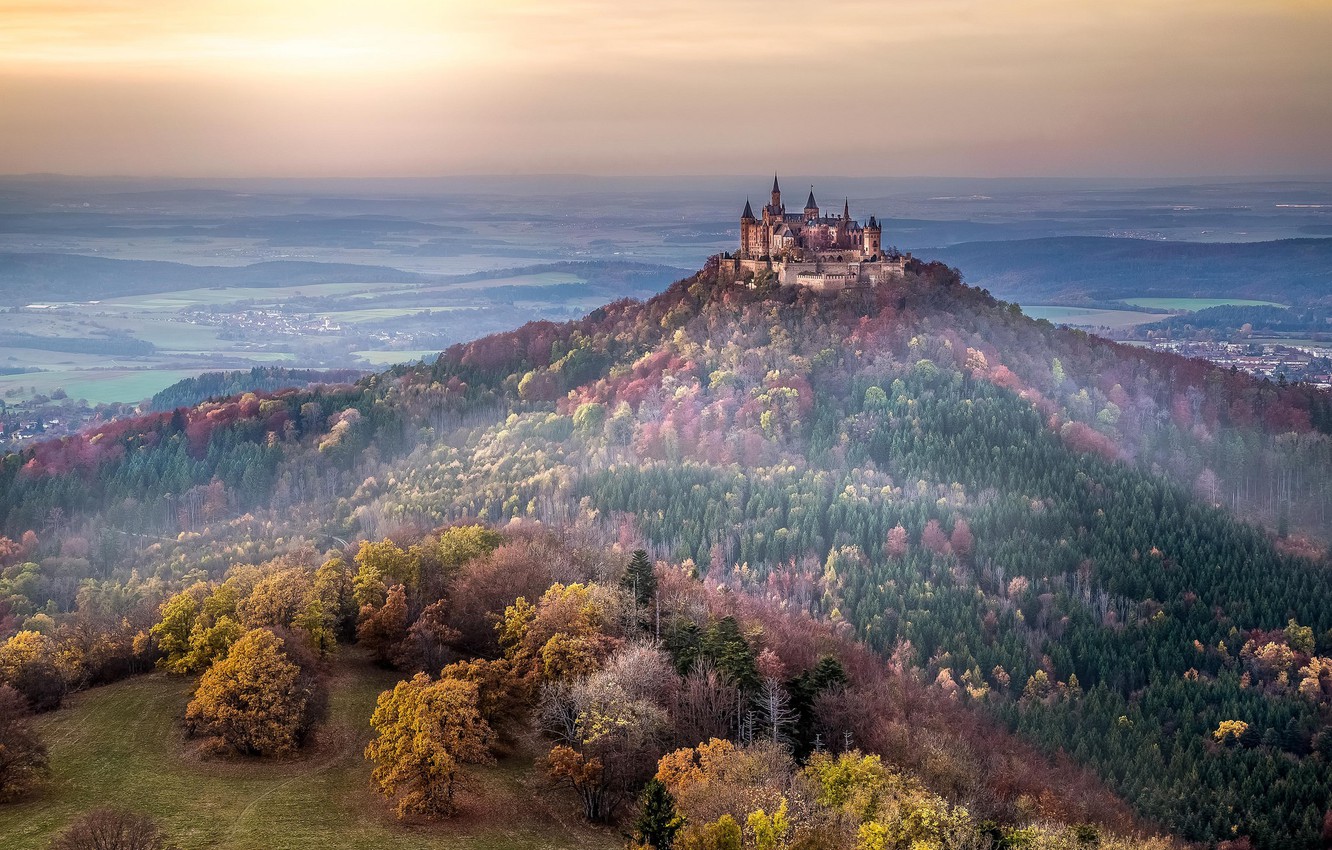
(844, 226)
(811, 206)
(872, 239)
(748, 229)
(774, 211)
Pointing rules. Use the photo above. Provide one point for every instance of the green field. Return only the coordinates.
(1188, 305)
(99, 386)
(1089, 317)
(183, 298)
(122, 745)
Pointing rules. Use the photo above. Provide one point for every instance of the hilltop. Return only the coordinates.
(1093, 545)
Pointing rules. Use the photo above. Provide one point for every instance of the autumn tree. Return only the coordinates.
(29, 663)
(112, 829)
(252, 701)
(896, 544)
(565, 635)
(23, 758)
(275, 600)
(425, 731)
(718, 778)
(722, 834)
(609, 727)
(428, 643)
(383, 629)
(386, 561)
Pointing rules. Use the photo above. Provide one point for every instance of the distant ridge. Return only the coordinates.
(72, 277)
(1079, 269)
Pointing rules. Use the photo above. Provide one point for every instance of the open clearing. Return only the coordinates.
(121, 745)
(1189, 305)
(1090, 317)
(99, 386)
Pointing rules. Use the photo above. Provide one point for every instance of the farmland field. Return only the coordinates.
(122, 745)
(98, 386)
(259, 294)
(1089, 317)
(1192, 304)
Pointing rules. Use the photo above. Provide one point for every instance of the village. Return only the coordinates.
(1278, 361)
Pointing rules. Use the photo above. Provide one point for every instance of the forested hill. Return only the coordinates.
(1039, 524)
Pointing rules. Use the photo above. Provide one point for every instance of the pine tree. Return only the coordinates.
(658, 820)
(640, 579)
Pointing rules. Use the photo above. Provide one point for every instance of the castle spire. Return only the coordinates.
(748, 214)
(776, 190)
(811, 205)
(846, 209)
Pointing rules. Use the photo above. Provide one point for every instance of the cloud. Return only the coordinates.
(903, 86)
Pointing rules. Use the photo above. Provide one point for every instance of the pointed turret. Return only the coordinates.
(748, 214)
(776, 206)
(811, 206)
(776, 190)
(872, 239)
(846, 210)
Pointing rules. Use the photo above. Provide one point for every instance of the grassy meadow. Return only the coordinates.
(122, 745)
(98, 386)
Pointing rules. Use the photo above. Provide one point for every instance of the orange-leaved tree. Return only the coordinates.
(253, 701)
(426, 730)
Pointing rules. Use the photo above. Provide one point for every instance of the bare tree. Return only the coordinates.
(706, 706)
(773, 714)
(112, 829)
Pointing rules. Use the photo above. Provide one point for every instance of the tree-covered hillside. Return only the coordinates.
(1034, 524)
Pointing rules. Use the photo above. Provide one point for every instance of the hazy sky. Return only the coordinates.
(881, 87)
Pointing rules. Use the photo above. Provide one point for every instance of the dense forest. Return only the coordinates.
(1116, 555)
(191, 391)
(1236, 320)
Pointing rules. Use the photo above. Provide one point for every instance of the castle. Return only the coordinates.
(809, 249)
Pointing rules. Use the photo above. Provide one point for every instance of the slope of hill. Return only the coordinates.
(1089, 269)
(1029, 519)
(126, 736)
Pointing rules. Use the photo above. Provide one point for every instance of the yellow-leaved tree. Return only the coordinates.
(426, 730)
(253, 701)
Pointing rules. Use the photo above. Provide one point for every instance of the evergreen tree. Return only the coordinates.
(640, 580)
(658, 822)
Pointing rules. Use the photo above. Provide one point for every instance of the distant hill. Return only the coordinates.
(1087, 269)
(29, 278)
